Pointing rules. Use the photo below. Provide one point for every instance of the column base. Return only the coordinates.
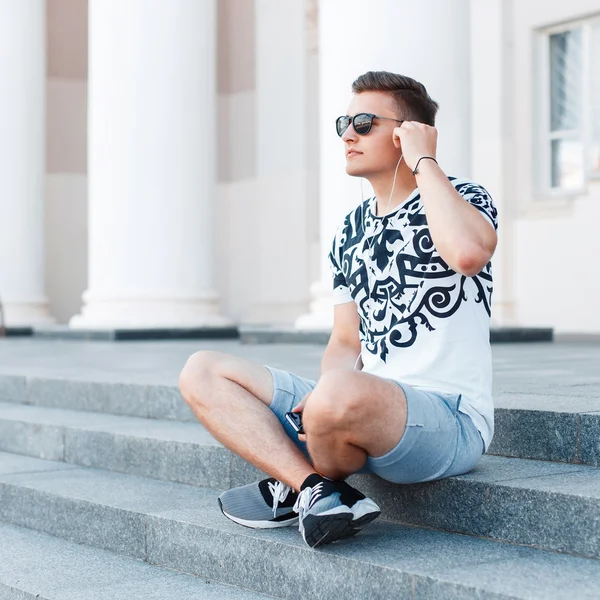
(64, 332)
(19, 315)
(158, 314)
(320, 317)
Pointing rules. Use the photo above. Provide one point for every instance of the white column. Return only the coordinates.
(428, 41)
(493, 136)
(151, 165)
(22, 161)
(282, 131)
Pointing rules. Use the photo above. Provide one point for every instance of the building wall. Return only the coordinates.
(66, 151)
(266, 220)
(235, 210)
(267, 248)
(556, 279)
(263, 237)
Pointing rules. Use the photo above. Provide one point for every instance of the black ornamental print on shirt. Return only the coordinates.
(392, 270)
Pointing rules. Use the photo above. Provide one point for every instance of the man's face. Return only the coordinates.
(374, 153)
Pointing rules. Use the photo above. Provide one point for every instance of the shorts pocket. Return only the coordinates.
(452, 401)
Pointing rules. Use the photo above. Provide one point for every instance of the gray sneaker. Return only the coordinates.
(263, 505)
(332, 510)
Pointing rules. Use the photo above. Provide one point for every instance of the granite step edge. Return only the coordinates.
(38, 566)
(504, 499)
(171, 450)
(174, 525)
(558, 434)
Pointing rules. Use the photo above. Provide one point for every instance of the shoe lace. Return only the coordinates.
(280, 492)
(307, 497)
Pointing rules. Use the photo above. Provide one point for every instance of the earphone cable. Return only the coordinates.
(362, 219)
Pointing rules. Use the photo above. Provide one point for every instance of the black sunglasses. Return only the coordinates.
(362, 123)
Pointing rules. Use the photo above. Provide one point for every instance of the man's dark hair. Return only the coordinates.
(414, 103)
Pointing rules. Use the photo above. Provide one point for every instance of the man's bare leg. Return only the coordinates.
(231, 397)
(351, 415)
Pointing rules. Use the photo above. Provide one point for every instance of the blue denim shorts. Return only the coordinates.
(439, 441)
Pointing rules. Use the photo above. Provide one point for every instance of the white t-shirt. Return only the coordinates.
(421, 322)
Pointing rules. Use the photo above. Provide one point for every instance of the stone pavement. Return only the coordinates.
(554, 370)
(98, 448)
(550, 376)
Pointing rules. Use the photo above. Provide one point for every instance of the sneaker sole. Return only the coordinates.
(325, 529)
(259, 524)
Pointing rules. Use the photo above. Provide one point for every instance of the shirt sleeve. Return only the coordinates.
(480, 198)
(341, 291)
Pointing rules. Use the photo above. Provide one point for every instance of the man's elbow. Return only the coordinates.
(472, 262)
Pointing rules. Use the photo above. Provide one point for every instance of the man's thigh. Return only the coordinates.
(369, 411)
(438, 440)
(253, 377)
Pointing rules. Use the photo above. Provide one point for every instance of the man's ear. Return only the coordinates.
(396, 137)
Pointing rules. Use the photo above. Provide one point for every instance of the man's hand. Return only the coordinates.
(416, 140)
(300, 408)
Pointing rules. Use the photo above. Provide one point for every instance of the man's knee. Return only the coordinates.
(333, 403)
(196, 373)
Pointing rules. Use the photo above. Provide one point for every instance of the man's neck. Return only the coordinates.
(382, 186)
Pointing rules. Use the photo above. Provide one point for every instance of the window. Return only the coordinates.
(571, 106)
(595, 98)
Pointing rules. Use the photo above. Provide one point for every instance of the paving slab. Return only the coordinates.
(13, 464)
(518, 368)
(36, 566)
(554, 370)
(181, 527)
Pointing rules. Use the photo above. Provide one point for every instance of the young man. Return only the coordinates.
(412, 293)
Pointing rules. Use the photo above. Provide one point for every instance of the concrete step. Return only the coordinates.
(104, 395)
(171, 450)
(548, 427)
(546, 505)
(180, 526)
(540, 426)
(510, 499)
(37, 566)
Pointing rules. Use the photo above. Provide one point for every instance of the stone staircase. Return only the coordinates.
(108, 490)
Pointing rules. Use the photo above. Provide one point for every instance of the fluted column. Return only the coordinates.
(152, 176)
(427, 41)
(22, 161)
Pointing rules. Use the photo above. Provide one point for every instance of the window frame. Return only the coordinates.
(543, 99)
